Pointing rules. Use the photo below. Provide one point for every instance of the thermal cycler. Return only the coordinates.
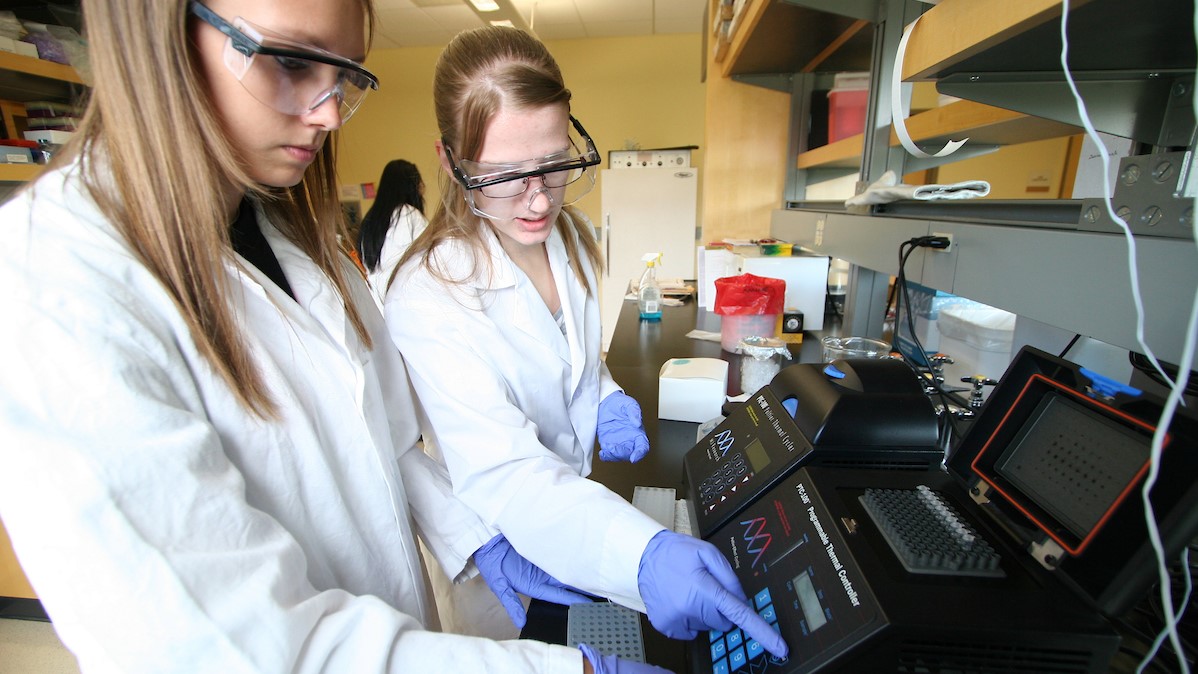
(868, 551)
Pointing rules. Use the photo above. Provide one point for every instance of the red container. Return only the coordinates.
(846, 113)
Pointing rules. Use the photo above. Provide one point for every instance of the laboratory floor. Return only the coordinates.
(32, 647)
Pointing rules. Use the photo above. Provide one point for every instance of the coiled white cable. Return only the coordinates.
(1178, 386)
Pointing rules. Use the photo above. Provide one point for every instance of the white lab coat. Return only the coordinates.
(510, 405)
(406, 224)
(163, 527)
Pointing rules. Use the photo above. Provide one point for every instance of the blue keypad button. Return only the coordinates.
(738, 659)
(718, 650)
(769, 614)
(720, 667)
(714, 634)
(753, 648)
(762, 599)
(735, 638)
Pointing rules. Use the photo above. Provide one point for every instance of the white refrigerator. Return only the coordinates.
(646, 209)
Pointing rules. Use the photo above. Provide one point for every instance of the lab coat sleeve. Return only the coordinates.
(607, 384)
(450, 529)
(575, 529)
(133, 525)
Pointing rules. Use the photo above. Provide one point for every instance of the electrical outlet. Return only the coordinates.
(947, 248)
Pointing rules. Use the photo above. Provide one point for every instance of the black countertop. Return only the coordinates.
(638, 350)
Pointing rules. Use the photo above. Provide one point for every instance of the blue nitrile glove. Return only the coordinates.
(610, 664)
(688, 586)
(507, 573)
(621, 432)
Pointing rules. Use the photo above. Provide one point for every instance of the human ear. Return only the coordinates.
(440, 146)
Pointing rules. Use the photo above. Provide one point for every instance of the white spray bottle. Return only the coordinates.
(648, 298)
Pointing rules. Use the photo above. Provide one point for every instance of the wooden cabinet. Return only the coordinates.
(12, 580)
(23, 79)
(788, 44)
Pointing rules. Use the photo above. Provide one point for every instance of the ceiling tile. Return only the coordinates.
(380, 5)
(434, 22)
(456, 19)
(565, 31)
(548, 12)
(615, 11)
(393, 21)
(672, 10)
(618, 28)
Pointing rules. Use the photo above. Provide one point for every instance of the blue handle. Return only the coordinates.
(1109, 387)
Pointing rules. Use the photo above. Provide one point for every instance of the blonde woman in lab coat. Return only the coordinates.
(494, 310)
(207, 441)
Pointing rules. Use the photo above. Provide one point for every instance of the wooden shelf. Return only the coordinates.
(773, 36)
(19, 173)
(951, 32)
(1024, 36)
(982, 124)
(24, 78)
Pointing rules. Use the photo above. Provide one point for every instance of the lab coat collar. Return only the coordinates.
(529, 313)
(316, 307)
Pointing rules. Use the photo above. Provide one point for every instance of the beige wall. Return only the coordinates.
(642, 90)
(746, 137)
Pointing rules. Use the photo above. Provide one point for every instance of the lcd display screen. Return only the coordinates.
(813, 612)
(758, 457)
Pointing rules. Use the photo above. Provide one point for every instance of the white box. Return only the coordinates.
(692, 389)
(52, 136)
(26, 48)
(711, 264)
(806, 279)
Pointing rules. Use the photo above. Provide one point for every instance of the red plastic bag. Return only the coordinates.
(748, 295)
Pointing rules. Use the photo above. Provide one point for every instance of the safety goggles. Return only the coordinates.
(291, 77)
(562, 175)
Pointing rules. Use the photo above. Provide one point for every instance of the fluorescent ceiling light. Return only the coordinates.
(485, 5)
(505, 22)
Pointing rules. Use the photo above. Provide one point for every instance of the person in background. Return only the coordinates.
(494, 310)
(394, 220)
(208, 455)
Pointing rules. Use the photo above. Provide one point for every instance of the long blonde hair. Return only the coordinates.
(479, 72)
(155, 160)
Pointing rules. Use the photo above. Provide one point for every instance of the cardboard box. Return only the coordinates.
(17, 47)
(692, 389)
(51, 136)
(15, 155)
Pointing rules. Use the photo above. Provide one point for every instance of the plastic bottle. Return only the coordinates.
(648, 296)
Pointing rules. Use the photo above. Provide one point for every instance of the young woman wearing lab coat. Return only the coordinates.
(494, 310)
(206, 460)
(394, 220)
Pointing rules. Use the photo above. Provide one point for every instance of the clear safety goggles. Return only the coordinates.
(561, 176)
(291, 77)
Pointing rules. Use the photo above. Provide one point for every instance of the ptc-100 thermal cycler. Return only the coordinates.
(1007, 558)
